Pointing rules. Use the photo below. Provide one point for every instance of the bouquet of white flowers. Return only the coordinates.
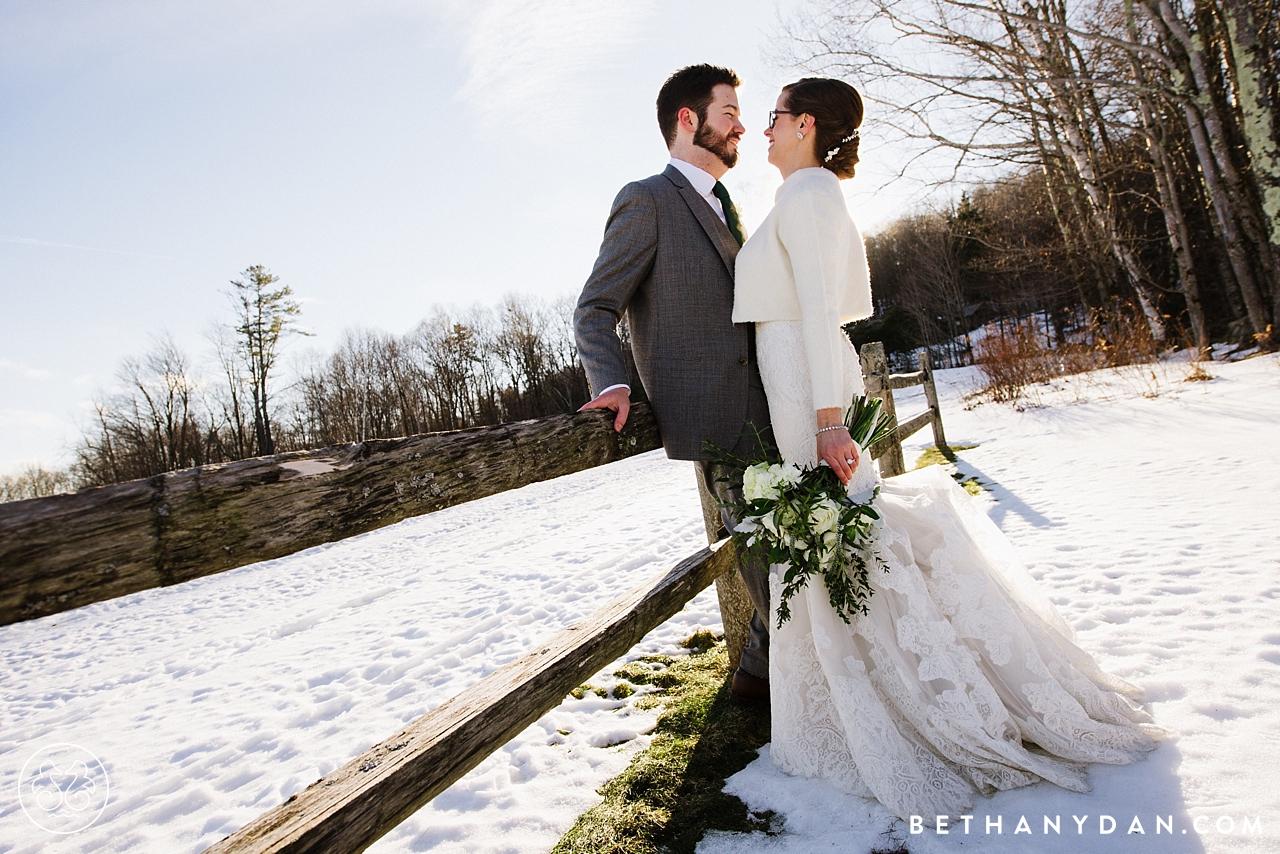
(807, 520)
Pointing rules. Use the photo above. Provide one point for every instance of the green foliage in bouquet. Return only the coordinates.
(867, 424)
(806, 519)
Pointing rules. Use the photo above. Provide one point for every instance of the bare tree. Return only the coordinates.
(34, 481)
(1066, 87)
(152, 425)
(233, 427)
(536, 348)
(368, 388)
(456, 369)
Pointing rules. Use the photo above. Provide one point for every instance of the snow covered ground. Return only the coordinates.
(1148, 507)
(211, 702)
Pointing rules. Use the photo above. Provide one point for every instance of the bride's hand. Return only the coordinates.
(838, 450)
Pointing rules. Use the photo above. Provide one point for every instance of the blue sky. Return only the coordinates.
(379, 157)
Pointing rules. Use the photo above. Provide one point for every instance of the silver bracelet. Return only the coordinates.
(832, 427)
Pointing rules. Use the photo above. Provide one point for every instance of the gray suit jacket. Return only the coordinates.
(667, 262)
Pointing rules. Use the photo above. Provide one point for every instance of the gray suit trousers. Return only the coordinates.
(754, 572)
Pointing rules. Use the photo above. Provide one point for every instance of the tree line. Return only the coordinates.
(455, 369)
(1137, 145)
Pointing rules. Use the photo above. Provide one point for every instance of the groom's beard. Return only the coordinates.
(718, 144)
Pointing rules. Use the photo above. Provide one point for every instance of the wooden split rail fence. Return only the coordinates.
(880, 383)
(66, 551)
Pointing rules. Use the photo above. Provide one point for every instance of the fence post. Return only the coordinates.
(931, 397)
(735, 604)
(875, 376)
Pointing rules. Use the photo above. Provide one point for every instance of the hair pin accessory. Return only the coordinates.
(833, 152)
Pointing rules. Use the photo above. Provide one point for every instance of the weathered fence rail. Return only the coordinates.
(351, 808)
(880, 383)
(66, 551)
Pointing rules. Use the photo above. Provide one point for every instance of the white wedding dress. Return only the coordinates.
(962, 678)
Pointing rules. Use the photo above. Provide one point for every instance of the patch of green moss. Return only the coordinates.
(700, 641)
(669, 797)
(649, 671)
(936, 456)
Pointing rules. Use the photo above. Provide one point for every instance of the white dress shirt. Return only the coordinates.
(703, 182)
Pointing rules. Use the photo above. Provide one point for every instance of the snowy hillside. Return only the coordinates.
(1151, 520)
(213, 701)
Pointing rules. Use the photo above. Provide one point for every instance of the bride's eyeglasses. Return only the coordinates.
(773, 116)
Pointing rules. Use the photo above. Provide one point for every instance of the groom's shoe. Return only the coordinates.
(746, 688)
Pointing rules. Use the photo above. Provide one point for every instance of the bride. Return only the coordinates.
(962, 677)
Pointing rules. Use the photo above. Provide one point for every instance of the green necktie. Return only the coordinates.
(730, 213)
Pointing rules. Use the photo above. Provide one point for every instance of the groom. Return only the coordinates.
(667, 263)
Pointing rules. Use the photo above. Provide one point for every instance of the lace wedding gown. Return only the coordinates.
(961, 678)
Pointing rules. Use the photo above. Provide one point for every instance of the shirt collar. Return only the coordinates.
(701, 180)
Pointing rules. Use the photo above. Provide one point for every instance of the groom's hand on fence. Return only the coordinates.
(618, 399)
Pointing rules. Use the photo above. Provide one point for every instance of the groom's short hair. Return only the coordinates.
(690, 87)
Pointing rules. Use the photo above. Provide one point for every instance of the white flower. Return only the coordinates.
(824, 516)
(766, 481)
(759, 481)
(830, 548)
(770, 521)
(788, 473)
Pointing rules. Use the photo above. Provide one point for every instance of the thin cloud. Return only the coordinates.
(31, 241)
(25, 371)
(534, 61)
(30, 420)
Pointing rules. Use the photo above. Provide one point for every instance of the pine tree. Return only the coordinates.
(264, 315)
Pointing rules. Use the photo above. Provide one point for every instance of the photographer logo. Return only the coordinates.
(63, 788)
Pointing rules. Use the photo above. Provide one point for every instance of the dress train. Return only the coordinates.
(961, 678)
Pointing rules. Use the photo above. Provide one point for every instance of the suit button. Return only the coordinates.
(743, 361)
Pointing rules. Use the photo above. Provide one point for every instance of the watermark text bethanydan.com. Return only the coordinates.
(1081, 825)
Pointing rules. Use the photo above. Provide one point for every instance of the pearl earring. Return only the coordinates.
(799, 135)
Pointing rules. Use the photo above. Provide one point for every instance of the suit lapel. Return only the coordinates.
(719, 233)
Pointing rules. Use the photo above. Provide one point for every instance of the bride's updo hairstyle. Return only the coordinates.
(836, 108)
